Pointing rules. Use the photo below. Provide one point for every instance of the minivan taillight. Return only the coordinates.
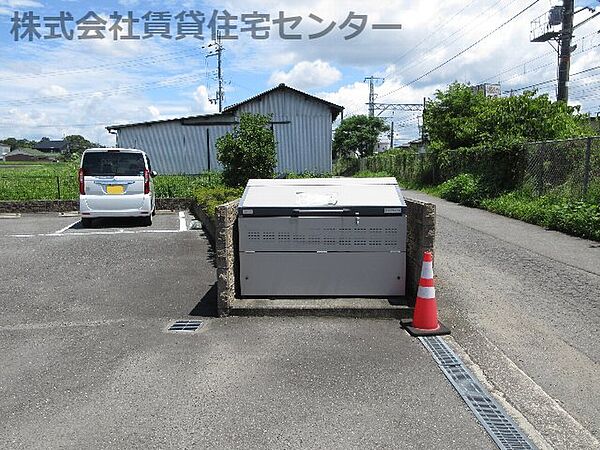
(81, 182)
(146, 181)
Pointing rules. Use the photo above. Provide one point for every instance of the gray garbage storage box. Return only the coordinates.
(332, 237)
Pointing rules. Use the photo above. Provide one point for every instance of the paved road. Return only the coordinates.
(86, 361)
(524, 303)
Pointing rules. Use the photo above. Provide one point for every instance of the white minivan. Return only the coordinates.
(116, 182)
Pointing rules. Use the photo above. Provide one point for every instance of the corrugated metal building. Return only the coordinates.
(301, 122)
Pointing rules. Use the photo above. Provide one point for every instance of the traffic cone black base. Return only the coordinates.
(441, 330)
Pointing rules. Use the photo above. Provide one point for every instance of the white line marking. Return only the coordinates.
(62, 230)
(182, 222)
(94, 233)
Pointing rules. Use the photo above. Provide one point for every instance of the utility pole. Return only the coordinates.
(218, 51)
(423, 124)
(392, 135)
(372, 95)
(564, 61)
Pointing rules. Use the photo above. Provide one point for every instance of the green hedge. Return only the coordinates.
(211, 197)
(575, 217)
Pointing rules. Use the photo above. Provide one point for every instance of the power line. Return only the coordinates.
(545, 55)
(125, 89)
(541, 83)
(415, 47)
(462, 52)
(139, 62)
(428, 52)
(457, 33)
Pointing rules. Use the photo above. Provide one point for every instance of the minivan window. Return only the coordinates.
(113, 164)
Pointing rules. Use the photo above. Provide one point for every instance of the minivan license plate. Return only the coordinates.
(114, 189)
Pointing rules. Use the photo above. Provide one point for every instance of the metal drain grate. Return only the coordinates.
(188, 326)
(492, 416)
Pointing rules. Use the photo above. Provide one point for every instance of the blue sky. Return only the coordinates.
(57, 87)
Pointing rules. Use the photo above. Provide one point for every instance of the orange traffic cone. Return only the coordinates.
(425, 316)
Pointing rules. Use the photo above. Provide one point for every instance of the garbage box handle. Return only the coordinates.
(298, 212)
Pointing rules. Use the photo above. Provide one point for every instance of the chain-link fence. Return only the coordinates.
(568, 167)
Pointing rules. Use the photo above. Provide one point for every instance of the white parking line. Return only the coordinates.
(182, 222)
(62, 230)
(95, 233)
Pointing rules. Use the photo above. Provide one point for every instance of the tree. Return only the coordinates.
(249, 151)
(459, 117)
(357, 136)
(15, 144)
(77, 143)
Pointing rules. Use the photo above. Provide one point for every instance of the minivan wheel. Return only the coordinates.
(86, 222)
(147, 221)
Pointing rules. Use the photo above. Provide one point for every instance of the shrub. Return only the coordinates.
(308, 174)
(211, 197)
(184, 186)
(519, 205)
(576, 217)
(346, 167)
(370, 174)
(466, 189)
(249, 151)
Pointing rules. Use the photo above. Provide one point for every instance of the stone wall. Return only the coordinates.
(208, 223)
(226, 255)
(420, 238)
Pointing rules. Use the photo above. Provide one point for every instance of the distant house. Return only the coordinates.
(301, 123)
(48, 146)
(4, 150)
(28, 154)
(382, 146)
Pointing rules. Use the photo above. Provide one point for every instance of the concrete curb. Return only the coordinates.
(322, 307)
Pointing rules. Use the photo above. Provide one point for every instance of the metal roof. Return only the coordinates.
(50, 145)
(230, 110)
(336, 109)
(175, 119)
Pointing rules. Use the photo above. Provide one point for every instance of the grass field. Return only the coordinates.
(58, 181)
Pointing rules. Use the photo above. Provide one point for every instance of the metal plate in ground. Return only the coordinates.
(501, 428)
(186, 326)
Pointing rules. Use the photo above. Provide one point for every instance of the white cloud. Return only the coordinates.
(308, 75)
(154, 112)
(21, 3)
(53, 90)
(201, 97)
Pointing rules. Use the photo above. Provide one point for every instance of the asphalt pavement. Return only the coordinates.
(524, 303)
(87, 361)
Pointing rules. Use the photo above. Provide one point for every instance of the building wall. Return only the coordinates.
(21, 157)
(303, 139)
(304, 144)
(175, 148)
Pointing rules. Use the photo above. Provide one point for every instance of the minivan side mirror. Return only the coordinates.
(154, 173)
